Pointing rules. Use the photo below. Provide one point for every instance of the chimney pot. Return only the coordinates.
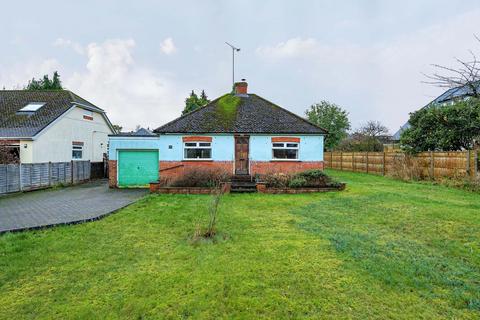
(241, 87)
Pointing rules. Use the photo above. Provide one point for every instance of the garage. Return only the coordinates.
(137, 167)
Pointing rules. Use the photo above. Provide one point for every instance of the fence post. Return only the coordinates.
(468, 163)
(383, 163)
(20, 176)
(71, 171)
(341, 160)
(6, 178)
(353, 161)
(367, 161)
(475, 162)
(49, 173)
(432, 165)
(331, 159)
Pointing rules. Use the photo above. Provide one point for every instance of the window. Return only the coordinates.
(87, 115)
(197, 150)
(285, 150)
(32, 107)
(77, 150)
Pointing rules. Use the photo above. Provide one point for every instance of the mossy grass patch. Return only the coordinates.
(226, 110)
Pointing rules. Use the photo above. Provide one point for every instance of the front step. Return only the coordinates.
(243, 184)
(242, 177)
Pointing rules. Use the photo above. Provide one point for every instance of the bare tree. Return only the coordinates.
(373, 129)
(466, 74)
(369, 137)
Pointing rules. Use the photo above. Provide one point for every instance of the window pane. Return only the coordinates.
(292, 145)
(204, 144)
(190, 144)
(292, 153)
(202, 153)
(278, 145)
(285, 153)
(76, 154)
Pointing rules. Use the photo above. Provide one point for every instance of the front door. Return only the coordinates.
(241, 154)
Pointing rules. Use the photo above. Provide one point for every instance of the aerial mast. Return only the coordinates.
(234, 49)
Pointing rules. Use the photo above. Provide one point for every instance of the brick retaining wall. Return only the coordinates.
(171, 170)
(264, 167)
(112, 173)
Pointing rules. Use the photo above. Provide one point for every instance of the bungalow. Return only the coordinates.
(241, 133)
(52, 126)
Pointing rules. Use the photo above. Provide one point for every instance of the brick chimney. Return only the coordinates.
(241, 87)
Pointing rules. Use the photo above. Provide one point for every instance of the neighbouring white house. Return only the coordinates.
(52, 126)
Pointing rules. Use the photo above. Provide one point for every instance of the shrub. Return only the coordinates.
(209, 178)
(276, 180)
(297, 182)
(466, 183)
(306, 179)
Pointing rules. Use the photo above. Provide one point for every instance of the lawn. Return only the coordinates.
(381, 249)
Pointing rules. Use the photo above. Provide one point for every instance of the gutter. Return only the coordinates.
(17, 138)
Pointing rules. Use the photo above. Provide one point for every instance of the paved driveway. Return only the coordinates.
(85, 202)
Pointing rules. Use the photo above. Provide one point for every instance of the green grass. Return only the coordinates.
(381, 249)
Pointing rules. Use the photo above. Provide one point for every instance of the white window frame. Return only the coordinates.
(284, 146)
(77, 147)
(197, 146)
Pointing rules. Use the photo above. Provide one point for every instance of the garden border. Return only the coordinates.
(156, 187)
(262, 188)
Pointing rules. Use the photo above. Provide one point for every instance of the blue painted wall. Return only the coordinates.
(118, 143)
(223, 147)
(310, 149)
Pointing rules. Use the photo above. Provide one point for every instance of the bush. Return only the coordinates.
(465, 183)
(297, 182)
(306, 179)
(206, 178)
(276, 180)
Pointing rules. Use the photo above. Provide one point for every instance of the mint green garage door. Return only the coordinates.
(137, 167)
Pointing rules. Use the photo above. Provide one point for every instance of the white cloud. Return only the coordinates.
(130, 93)
(168, 47)
(112, 79)
(65, 43)
(292, 48)
(18, 75)
(380, 81)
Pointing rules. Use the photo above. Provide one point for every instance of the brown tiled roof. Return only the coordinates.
(253, 114)
(15, 124)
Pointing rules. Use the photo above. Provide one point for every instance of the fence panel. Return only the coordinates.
(432, 165)
(31, 176)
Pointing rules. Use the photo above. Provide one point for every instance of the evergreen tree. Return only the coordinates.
(193, 102)
(203, 98)
(45, 83)
(443, 127)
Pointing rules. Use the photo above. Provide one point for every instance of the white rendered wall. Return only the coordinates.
(54, 143)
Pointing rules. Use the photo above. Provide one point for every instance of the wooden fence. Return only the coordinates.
(31, 176)
(431, 165)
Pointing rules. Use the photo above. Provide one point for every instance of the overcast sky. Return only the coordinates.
(139, 59)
